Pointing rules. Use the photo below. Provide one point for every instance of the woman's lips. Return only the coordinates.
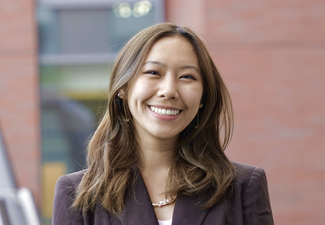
(164, 111)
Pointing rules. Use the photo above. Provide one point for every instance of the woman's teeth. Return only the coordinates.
(164, 112)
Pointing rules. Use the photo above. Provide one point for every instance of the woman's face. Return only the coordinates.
(166, 94)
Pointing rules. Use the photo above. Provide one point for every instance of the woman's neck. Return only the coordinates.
(156, 155)
(154, 161)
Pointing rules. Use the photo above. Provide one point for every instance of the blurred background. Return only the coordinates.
(55, 58)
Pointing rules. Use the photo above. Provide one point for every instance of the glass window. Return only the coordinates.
(72, 28)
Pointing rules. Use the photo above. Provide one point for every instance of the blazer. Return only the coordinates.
(248, 204)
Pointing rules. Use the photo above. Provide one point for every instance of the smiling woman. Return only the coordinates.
(166, 83)
(157, 155)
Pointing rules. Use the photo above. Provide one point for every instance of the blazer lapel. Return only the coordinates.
(138, 208)
(188, 209)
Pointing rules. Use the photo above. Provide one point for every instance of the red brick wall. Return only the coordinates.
(272, 56)
(19, 105)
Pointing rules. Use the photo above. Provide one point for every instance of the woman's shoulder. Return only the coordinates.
(247, 174)
(250, 185)
(65, 190)
(245, 170)
(70, 181)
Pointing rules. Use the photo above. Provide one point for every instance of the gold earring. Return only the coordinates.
(126, 117)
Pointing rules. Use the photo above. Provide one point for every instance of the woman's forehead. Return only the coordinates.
(172, 49)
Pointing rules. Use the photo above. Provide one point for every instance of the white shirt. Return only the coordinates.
(165, 222)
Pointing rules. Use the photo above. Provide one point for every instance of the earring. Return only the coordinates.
(197, 120)
(197, 117)
(126, 117)
(120, 95)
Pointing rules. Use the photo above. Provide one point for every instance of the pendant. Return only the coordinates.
(164, 202)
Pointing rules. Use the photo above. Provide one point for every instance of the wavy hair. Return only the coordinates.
(199, 162)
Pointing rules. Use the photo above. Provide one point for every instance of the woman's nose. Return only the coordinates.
(168, 88)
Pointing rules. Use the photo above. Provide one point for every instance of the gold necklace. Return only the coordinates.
(166, 201)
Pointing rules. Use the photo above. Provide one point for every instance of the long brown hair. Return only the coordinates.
(200, 162)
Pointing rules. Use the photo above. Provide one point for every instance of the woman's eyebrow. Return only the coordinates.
(182, 67)
(155, 62)
(190, 67)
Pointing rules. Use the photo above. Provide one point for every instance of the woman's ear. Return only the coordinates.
(121, 94)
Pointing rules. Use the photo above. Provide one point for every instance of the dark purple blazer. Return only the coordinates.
(247, 204)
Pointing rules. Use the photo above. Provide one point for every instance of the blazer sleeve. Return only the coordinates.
(63, 199)
(256, 201)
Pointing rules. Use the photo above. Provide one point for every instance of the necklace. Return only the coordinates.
(166, 201)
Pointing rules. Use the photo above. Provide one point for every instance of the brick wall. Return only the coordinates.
(272, 56)
(19, 105)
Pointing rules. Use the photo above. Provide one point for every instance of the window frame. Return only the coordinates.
(89, 58)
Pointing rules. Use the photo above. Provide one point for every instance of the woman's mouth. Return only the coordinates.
(165, 112)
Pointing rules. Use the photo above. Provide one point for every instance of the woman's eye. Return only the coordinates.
(152, 72)
(188, 77)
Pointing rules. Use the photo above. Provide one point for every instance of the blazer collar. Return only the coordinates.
(188, 210)
(138, 208)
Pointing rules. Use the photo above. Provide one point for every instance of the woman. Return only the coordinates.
(157, 156)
